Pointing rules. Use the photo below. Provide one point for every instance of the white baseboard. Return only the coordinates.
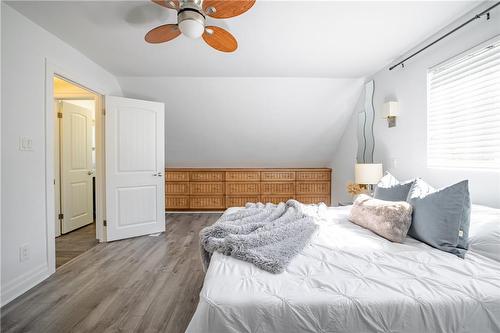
(194, 212)
(23, 283)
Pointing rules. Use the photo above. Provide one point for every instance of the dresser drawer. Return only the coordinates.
(278, 188)
(207, 176)
(241, 200)
(313, 175)
(173, 202)
(177, 188)
(313, 188)
(275, 198)
(314, 199)
(207, 202)
(277, 176)
(242, 188)
(242, 176)
(176, 176)
(211, 188)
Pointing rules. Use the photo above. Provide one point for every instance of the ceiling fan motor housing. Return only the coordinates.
(191, 22)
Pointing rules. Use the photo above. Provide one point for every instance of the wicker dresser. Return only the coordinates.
(217, 189)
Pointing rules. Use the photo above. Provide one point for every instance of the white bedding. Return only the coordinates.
(351, 280)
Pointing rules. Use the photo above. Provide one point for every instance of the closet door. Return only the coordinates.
(76, 166)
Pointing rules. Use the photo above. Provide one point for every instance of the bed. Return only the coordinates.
(351, 280)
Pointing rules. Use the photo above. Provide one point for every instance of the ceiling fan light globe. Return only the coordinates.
(191, 28)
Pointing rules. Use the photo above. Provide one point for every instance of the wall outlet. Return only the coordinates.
(394, 163)
(25, 143)
(24, 253)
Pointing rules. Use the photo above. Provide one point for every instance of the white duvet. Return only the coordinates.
(351, 280)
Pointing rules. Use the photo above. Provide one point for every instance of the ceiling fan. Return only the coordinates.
(191, 19)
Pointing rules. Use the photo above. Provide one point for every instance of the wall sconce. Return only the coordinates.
(391, 110)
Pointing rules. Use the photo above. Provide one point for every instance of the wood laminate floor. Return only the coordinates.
(71, 245)
(143, 284)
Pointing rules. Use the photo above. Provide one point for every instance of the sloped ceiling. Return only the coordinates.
(250, 122)
(282, 99)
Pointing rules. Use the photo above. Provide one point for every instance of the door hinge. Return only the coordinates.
(103, 112)
(59, 115)
(61, 216)
(105, 223)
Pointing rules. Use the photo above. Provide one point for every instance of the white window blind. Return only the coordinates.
(463, 119)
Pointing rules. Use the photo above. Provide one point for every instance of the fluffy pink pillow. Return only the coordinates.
(389, 219)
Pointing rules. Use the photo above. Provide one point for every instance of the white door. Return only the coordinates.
(135, 188)
(76, 166)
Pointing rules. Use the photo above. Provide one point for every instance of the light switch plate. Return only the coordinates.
(25, 143)
(24, 253)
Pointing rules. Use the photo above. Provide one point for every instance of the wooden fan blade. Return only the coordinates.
(163, 33)
(172, 4)
(220, 39)
(226, 8)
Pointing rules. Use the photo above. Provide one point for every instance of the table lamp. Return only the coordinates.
(368, 174)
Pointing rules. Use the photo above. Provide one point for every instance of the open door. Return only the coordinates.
(76, 166)
(135, 187)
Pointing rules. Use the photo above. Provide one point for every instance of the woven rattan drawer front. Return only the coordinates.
(240, 200)
(242, 176)
(207, 176)
(242, 188)
(275, 198)
(218, 188)
(278, 188)
(177, 188)
(176, 176)
(313, 188)
(314, 199)
(277, 176)
(173, 202)
(209, 188)
(313, 175)
(207, 202)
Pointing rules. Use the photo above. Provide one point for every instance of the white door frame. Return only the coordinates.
(79, 79)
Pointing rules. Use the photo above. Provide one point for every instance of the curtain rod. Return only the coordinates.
(486, 11)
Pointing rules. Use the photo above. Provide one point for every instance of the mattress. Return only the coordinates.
(350, 280)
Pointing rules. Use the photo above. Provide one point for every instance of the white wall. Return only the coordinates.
(250, 122)
(406, 143)
(25, 46)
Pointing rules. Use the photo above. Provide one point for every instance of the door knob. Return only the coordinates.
(90, 172)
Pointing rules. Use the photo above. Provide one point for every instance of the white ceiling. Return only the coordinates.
(250, 122)
(276, 38)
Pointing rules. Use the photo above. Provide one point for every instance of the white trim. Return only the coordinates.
(196, 211)
(52, 70)
(23, 283)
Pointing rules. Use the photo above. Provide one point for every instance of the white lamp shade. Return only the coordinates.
(367, 173)
(391, 109)
(191, 28)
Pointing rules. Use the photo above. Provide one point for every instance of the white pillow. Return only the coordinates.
(388, 180)
(484, 231)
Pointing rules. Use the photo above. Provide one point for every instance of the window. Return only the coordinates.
(463, 117)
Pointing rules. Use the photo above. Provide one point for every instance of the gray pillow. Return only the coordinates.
(441, 217)
(390, 189)
(388, 219)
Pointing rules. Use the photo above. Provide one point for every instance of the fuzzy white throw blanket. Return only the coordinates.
(268, 236)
